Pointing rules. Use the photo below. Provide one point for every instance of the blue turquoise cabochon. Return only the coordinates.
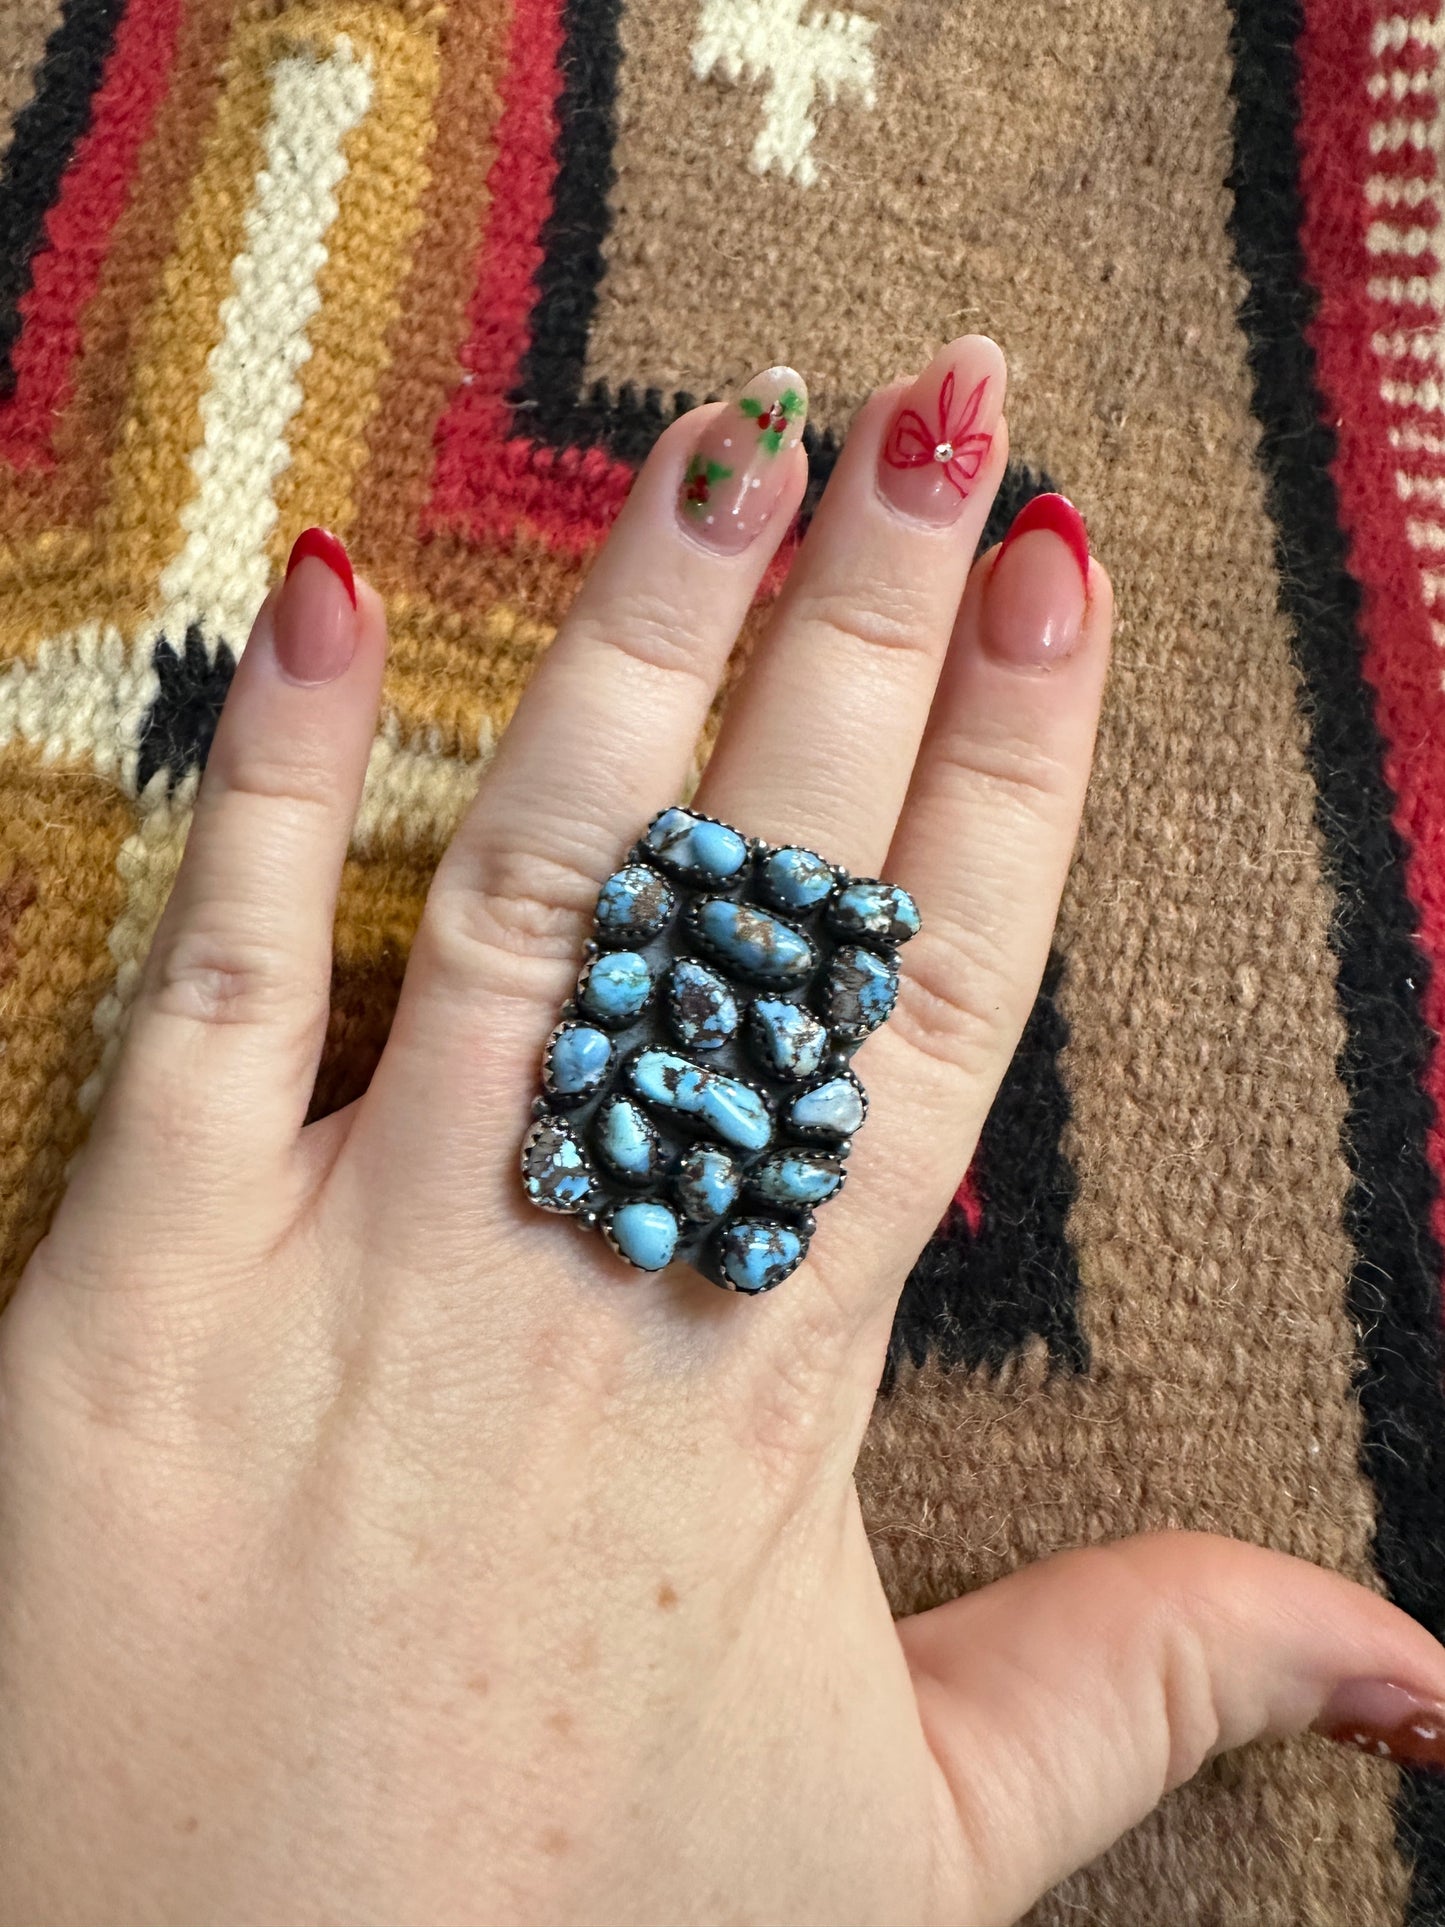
(697, 1098)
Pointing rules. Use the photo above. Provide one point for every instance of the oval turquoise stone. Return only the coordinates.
(633, 905)
(755, 1256)
(616, 987)
(555, 1172)
(577, 1060)
(876, 912)
(702, 1010)
(753, 941)
(626, 1140)
(796, 1179)
(697, 849)
(791, 1041)
(644, 1233)
(795, 879)
(833, 1109)
(730, 1109)
(859, 990)
(707, 1183)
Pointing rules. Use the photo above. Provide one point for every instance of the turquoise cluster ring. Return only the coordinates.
(697, 1100)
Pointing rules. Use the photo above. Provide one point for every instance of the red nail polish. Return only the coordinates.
(1387, 1721)
(315, 626)
(1057, 514)
(1037, 596)
(328, 549)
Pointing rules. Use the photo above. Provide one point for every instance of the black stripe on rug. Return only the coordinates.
(1394, 1290)
(551, 403)
(42, 141)
(973, 1299)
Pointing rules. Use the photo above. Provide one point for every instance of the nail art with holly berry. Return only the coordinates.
(732, 483)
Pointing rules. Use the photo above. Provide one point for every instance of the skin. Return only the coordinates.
(377, 1549)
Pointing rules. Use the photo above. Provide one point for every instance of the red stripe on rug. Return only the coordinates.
(78, 228)
(969, 1200)
(490, 483)
(1403, 662)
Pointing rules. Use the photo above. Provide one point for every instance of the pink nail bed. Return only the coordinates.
(1037, 593)
(313, 622)
(939, 438)
(738, 470)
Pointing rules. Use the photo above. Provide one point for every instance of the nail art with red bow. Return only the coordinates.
(939, 440)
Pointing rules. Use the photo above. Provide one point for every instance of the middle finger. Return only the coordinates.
(818, 741)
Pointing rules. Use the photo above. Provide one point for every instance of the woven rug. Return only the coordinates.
(435, 272)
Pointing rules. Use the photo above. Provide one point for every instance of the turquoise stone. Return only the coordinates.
(707, 1183)
(626, 1141)
(753, 941)
(577, 1060)
(790, 1040)
(796, 1178)
(633, 905)
(754, 1256)
(859, 991)
(876, 912)
(796, 879)
(703, 852)
(644, 1233)
(730, 1109)
(702, 1010)
(615, 987)
(555, 1173)
(833, 1109)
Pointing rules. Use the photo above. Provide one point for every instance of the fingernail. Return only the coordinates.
(1375, 1716)
(732, 483)
(1035, 598)
(314, 623)
(940, 436)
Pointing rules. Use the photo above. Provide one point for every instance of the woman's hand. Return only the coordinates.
(377, 1549)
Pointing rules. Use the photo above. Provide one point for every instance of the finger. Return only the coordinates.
(819, 738)
(1063, 1703)
(220, 1058)
(603, 737)
(984, 844)
(606, 731)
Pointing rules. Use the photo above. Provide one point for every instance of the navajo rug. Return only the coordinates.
(435, 272)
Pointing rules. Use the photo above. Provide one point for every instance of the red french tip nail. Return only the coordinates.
(1057, 514)
(326, 548)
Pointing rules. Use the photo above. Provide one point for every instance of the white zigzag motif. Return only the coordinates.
(827, 53)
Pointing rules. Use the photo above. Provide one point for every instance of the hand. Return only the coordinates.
(377, 1549)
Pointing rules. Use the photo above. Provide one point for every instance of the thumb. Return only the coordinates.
(1064, 1702)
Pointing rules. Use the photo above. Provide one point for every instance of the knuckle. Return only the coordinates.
(1017, 770)
(882, 617)
(960, 1005)
(790, 1423)
(645, 629)
(267, 778)
(517, 904)
(215, 977)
